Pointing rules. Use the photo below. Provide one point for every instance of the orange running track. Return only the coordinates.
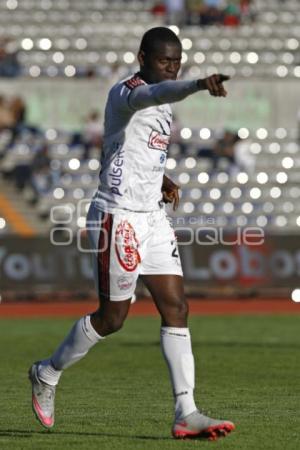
(146, 308)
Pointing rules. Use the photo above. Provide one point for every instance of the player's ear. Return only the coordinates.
(141, 58)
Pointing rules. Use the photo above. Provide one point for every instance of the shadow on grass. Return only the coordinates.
(30, 433)
(275, 344)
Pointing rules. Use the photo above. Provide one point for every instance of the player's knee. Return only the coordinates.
(114, 323)
(177, 309)
(182, 309)
(107, 323)
(111, 324)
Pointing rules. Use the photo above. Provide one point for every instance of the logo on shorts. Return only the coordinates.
(126, 245)
(124, 283)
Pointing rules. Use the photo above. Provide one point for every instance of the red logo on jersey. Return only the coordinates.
(134, 82)
(158, 141)
(126, 245)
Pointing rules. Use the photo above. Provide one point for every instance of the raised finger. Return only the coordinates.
(223, 78)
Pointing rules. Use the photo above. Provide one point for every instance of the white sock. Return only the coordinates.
(47, 373)
(79, 341)
(177, 350)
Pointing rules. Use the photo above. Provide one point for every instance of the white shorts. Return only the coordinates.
(128, 244)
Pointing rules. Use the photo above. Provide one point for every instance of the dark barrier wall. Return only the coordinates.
(33, 265)
(275, 262)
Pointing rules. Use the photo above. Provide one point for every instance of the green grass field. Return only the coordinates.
(119, 396)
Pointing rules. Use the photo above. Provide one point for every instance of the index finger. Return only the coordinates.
(223, 78)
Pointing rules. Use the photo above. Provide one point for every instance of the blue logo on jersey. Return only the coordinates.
(162, 158)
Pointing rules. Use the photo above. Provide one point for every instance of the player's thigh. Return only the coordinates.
(168, 294)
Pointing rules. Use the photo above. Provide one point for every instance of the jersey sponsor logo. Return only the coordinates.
(158, 169)
(162, 158)
(158, 141)
(126, 245)
(134, 82)
(124, 283)
(116, 172)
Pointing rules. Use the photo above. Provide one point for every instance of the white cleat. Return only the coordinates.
(43, 396)
(197, 425)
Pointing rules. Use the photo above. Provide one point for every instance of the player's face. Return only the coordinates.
(162, 64)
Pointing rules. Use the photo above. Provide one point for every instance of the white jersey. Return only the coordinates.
(135, 143)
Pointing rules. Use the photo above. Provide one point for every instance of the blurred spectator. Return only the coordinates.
(247, 11)
(194, 8)
(218, 4)
(222, 149)
(117, 72)
(232, 15)
(18, 109)
(41, 159)
(6, 115)
(244, 159)
(9, 64)
(91, 72)
(159, 9)
(219, 12)
(12, 118)
(22, 174)
(92, 133)
(211, 14)
(175, 11)
(41, 179)
(41, 183)
(32, 170)
(12, 112)
(236, 151)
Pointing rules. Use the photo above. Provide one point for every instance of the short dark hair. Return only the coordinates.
(156, 36)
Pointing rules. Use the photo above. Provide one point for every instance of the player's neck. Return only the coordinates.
(145, 77)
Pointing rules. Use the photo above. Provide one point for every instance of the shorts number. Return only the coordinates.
(174, 251)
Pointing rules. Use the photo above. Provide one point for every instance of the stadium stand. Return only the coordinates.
(95, 37)
(266, 196)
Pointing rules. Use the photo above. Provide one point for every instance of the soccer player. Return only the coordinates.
(131, 235)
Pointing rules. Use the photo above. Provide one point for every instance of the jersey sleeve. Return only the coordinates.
(134, 94)
(171, 91)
